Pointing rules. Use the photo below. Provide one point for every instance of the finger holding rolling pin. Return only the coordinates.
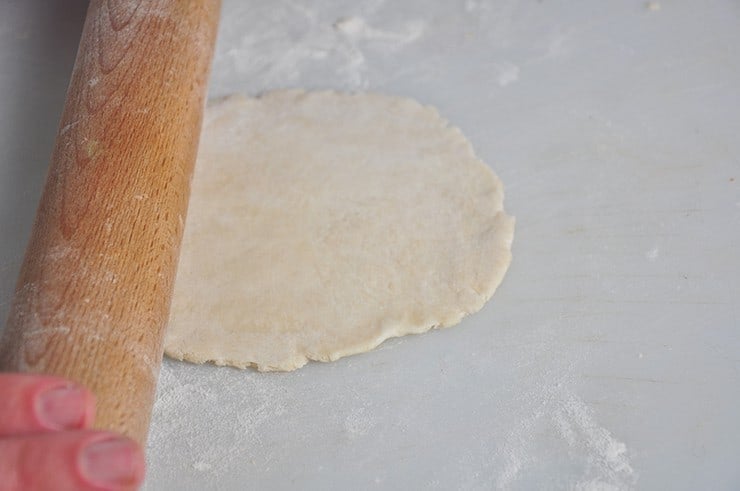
(46, 440)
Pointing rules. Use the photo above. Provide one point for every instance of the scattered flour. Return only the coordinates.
(601, 459)
(357, 29)
(359, 422)
(224, 422)
(280, 57)
(653, 253)
(544, 428)
(606, 464)
(231, 406)
(508, 73)
(202, 466)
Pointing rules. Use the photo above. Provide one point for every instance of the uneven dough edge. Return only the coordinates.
(396, 330)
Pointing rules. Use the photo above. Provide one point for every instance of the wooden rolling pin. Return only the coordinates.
(94, 291)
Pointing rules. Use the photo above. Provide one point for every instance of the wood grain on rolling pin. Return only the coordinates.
(93, 295)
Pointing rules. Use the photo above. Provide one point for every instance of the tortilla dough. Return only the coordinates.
(321, 224)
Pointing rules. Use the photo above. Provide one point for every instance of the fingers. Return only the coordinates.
(79, 460)
(37, 450)
(34, 403)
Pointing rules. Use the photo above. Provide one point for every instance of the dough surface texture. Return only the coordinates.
(321, 224)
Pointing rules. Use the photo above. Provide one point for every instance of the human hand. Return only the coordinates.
(46, 442)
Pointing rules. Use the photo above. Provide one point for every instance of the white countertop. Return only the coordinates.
(610, 356)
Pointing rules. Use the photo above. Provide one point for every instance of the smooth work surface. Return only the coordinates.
(610, 356)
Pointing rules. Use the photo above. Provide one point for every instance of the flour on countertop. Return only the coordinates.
(653, 253)
(280, 57)
(545, 417)
(225, 422)
(602, 459)
(288, 44)
(225, 426)
(607, 464)
(356, 28)
(508, 73)
(359, 422)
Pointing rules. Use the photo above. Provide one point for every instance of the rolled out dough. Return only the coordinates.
(321, 224)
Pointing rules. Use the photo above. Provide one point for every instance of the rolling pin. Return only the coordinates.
(93, 296)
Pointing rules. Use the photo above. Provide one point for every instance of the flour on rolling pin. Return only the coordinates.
(94, 289)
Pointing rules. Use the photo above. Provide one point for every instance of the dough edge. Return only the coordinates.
(395, 330)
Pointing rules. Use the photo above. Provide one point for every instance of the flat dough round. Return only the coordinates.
(321, 224)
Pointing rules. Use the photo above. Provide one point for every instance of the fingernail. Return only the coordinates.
(62, 408)
(111, 463)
